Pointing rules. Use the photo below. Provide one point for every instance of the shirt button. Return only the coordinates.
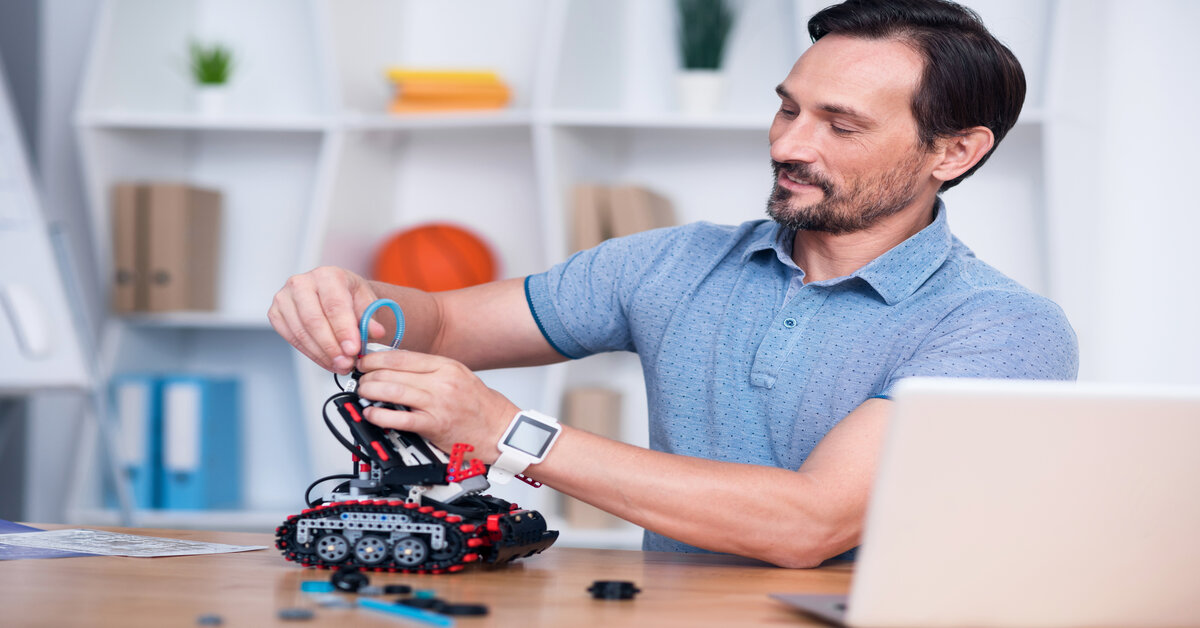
(789, 322)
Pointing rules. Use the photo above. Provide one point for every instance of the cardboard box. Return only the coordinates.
(128, 281)
(635, 209)
(590, 223)
(166, 247)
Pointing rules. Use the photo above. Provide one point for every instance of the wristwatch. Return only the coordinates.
(526, 441)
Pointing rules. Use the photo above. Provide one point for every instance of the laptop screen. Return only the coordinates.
(1033, 503)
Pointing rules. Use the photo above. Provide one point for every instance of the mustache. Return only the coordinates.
(802, 171)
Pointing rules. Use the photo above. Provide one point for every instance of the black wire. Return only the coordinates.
(341, 439)
(337, 476)
(362, 455)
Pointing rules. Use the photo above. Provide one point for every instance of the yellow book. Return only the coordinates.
(398, 74)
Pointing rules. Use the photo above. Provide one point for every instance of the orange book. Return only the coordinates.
(438, 89)
(428, 106)
(487, 100)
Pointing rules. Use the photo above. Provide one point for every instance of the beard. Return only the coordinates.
(853, 207)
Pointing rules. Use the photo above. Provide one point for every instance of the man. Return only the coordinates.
(770, 348)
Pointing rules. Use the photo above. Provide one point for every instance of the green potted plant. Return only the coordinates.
(211, 67)
(704, 27)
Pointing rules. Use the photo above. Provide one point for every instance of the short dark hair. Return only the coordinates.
(970, 79)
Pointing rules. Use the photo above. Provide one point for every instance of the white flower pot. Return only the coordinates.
(701, 92)
(211, 99)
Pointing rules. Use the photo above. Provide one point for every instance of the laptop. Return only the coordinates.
(1019, 503)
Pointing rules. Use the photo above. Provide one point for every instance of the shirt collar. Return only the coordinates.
(896, 274)
(776, 238)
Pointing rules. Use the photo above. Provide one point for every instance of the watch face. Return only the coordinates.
(530, 436)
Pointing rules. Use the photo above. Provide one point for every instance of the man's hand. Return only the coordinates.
(317, 313)
(449, 404)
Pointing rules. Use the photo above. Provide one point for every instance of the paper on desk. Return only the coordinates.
(101, 543)
(12, 552)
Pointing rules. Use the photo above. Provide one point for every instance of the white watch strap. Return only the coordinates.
(507, 467)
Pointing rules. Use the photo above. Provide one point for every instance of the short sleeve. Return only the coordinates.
(998, 335)
(582, 304)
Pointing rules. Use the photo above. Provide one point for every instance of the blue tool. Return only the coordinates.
(406, 612)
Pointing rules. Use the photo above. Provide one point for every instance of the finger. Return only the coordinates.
(375, 329)
(395, 388)
(315, 324)
(409, 421)
(292, 330)
(338, 306)
(277, 323)
(409, 361)
(364, 296)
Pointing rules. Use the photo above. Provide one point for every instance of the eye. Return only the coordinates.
(786, 112)
(839, 130)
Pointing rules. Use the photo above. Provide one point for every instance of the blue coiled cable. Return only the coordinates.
(365, 322)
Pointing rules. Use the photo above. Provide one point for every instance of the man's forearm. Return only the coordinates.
(790, 518)
(781, 516)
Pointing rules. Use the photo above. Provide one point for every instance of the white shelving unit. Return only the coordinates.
(315, 173)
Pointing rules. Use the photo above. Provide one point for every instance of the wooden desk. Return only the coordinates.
(248, 589)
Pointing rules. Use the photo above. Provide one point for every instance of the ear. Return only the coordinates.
(958, 154)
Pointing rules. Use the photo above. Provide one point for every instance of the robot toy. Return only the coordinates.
(408, 506)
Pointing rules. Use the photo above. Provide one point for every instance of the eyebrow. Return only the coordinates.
(841, 110)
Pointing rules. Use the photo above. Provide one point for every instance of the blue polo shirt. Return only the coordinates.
(744, 362)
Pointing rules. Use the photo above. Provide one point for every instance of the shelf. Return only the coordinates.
(664, 120)
(186, 121)
(449, 119)
(198, 320)
(452, 119)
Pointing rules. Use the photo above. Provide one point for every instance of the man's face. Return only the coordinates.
(844, 144)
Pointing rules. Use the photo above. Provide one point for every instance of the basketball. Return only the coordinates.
(435, 257)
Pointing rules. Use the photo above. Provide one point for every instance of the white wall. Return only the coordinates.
(1123, 158)
(65, 28)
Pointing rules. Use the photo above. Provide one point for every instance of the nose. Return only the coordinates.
(793, 140)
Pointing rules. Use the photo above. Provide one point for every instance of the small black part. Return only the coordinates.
(463, 609)
(209, 620)
(349, 579)
(396, 589)
(613, 590)
(396, 474)
(295, 614)
(426, 603)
